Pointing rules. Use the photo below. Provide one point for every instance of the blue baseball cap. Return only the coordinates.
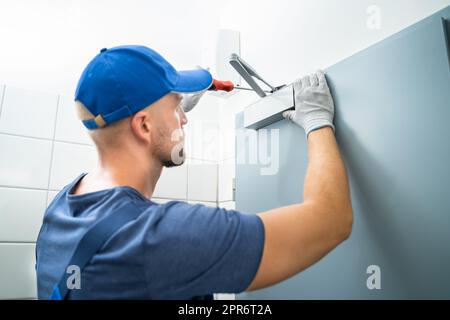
(123, 80)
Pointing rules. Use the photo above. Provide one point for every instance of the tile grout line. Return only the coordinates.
(214, 162)
(52, 150)
(217, 184)
(209, 161)
(56, 190)
(45, 139)
(203, 160)
(186, 200)
(27, 188)
(221, 162)
(17, 242)
(2, 99)
(187, 181)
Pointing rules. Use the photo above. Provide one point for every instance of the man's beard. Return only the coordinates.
(168, 163)
(175, 156)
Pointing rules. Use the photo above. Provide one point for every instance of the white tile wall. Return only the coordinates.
(17, 276)
(2, 90)
(227, 42)
(206, 203)
(226, 175)
(228, 109)
(24, 162)
(162, 200)
(202, 140)
(172, 184)
(202, 130)
(68, 127)
(28, 113)
(207, 109)
(230, 205)
(69, 160)
(31, 163)
(21, 213)
(50, 196)
(227, 143)
(202, 181)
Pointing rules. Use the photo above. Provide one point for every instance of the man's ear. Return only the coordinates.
(141, 126)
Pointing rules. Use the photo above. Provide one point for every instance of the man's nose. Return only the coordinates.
(183, 117)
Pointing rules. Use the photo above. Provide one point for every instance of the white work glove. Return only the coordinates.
(314, 107)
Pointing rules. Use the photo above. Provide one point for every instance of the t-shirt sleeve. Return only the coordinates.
(193, 250)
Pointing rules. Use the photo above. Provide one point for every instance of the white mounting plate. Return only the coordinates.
(269, 109)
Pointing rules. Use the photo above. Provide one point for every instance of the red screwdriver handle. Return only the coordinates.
(221, 85)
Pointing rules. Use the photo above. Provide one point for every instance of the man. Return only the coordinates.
(104, 238)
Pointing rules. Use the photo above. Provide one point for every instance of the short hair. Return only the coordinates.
(108, 136)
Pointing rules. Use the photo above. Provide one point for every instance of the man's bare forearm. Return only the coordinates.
(326, 182)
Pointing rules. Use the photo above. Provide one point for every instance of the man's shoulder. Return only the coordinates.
(184, 207)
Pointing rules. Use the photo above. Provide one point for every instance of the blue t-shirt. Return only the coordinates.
(170, 251)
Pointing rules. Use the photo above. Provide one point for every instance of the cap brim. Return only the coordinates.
(190, 81)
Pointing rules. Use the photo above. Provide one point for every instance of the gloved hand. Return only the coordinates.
(191, 100)
(314, 107)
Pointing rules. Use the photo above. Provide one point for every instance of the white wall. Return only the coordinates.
(284, 39)
(42, 148)
(45, 44)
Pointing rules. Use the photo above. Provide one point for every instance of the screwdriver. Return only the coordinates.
(228, 86)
